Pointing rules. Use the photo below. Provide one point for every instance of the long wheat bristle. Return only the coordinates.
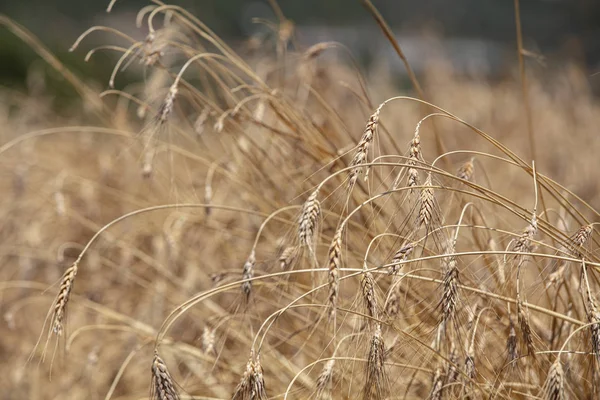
(62, 299)
(554, 387)
(362, 150)
(376, 378)
(309, 219)
(252, 384)
(163, 387)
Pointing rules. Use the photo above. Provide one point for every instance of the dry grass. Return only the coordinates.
(205, 214)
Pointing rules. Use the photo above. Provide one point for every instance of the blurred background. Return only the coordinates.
(478, 36)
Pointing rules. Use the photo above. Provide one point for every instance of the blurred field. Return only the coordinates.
(251, 222)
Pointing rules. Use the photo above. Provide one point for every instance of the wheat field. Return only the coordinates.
(273, 223)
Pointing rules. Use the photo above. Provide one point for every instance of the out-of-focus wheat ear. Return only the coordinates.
(362, 150)
(62, 299)
(208, 341)
(593, 317)
(400, 256)
(470, 374)
(248, 273)
(162, 116)
(427, 204)
(163, 387)
(252, 384)
(368, 294)
(554, 387)
(437, 385)
(392, 304)
(450, 286)
(511, 343)
(376, 382)
(333, 277)
(526, 332)
(166, 108)
(466, 171)
(452, 372)
(287, 257)
(493, 245)
(325, 381)
(208, 190)
(309, 220)
(200, 123)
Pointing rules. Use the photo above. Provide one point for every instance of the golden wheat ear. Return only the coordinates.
(163, 387)
(252, 384)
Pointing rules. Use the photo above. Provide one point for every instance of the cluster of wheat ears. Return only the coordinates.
(253, 246)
